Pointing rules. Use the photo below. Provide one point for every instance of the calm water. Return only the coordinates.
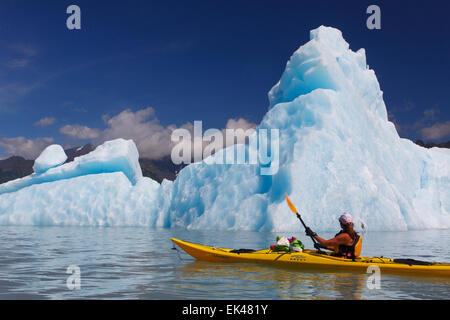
(138, 263)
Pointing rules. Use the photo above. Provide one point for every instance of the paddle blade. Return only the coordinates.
(290, 204)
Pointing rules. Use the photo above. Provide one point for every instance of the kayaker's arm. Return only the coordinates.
(331, 244)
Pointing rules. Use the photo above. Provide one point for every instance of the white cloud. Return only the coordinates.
(240, 123)
(18, 63)
(241, 129)
(437, 131)
(23, 49)
(431, 114)
(77, 131)
(45, 122)
(152, 139)
(27, 148)
(426, 127)
(23, 56)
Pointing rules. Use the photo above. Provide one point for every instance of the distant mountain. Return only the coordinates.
(17, 167)
(160, 169)
(78, 151)
(429, 145)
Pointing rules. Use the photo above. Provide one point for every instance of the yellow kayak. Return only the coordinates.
(312, 260)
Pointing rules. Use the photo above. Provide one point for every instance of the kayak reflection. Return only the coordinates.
(277, 283)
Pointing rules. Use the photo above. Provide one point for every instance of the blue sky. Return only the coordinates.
(163, 63)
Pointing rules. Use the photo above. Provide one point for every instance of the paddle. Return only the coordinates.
(294, 210)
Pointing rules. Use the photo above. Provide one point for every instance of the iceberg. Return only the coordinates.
(338, 152)
(113, 156)
(52, 156)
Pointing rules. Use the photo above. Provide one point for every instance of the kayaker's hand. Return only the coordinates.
(310, 233)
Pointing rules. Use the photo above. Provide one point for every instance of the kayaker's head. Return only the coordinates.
(346, 220)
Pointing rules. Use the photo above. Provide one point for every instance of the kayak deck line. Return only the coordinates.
(310, 259)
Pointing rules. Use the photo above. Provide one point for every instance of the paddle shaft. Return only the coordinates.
(294, 210)
(304, 225)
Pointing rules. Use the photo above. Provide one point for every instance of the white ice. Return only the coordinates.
(113, 156)
(52, 156)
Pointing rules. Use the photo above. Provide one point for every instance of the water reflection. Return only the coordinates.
(254, 280)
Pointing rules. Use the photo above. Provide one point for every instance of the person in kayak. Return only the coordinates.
(346, 243)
